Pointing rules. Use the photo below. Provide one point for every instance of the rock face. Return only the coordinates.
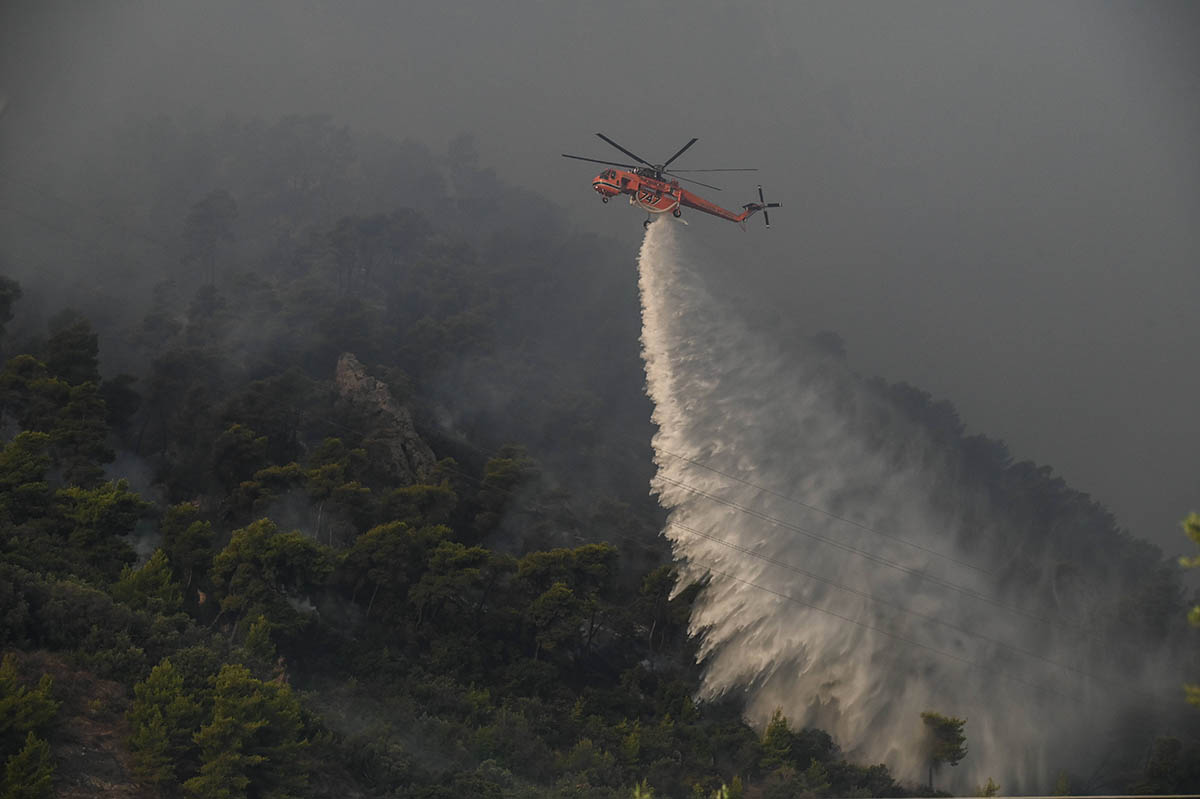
(388, 422)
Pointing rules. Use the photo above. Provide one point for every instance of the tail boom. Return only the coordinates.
(691, 200)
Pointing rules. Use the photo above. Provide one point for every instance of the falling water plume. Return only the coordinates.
(843, 587)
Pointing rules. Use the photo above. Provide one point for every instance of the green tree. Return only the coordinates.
(420, 505)
(209, 224)
(29, 773)
(375, 249)
(654, 602)
(944, 741)
(73, 349)
(385, 562)
(161, 324)
(31, 395)
(22, 711)
(254, 744)
(1172, 767)
(73, 414)
(208, 318)
(163, 720)
(588, 570)
(990, 789)
(455, 586)
(151, 587)
(1191, 528)
(24, 491)
(10, 292)
(333, 480)
(816, 778)
(238, 453)
(188, 543)
(121, 401)
(180, 394)
(777, 742)
(78, 439)
(98, 519)
(276, 407)
(258, 651)
(265, 572)
(556, 616)
(502, 476)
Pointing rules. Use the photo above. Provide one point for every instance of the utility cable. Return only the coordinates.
(1109, 682)
(890, 634)
(764, 489)
(917, 573)
(115, 224)
(741, 508)
(822, 511)
(158, 242)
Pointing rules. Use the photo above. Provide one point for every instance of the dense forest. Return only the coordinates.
(325, 473)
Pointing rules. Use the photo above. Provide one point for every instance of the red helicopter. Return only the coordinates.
(657, 191)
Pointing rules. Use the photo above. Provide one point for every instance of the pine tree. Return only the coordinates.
(29, 773)
(944, 742)
(253, 740)
(22, 711)
(152, 587)
(164, 719)
(777, 742)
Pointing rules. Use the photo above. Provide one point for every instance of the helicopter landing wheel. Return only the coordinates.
(677, 213)
(604, 200)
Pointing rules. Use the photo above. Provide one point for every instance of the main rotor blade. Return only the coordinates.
(682, 150)
(598, 161)
(714, 170)
(689, 180)
(639, 159)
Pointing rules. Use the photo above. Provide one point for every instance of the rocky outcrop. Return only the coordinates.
(388, 423)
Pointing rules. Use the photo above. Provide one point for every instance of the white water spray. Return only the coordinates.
(836, 620)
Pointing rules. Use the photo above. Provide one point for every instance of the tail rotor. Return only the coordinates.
(754, 208)
(765, 205)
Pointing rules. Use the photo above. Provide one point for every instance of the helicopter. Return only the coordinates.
(657, 191)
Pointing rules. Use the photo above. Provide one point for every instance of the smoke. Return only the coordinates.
(845, 587)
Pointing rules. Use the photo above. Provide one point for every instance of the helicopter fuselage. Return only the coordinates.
(652, 195)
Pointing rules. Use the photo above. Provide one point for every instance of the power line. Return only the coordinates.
(878, 559)
(158, 242)
(890, 634)
(795, 528)
(756, 514)
(896, 636)
(926, 617)
(141, 234)
(886, 602)
(764, 489)
(795, 569)
(875, 558)
(817, 509)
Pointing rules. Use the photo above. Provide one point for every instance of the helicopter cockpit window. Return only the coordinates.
(610, 173)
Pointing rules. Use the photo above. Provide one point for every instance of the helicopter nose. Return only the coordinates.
(603, 188)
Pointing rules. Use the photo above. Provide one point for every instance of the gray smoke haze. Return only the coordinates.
(858, 624)
(996, 201)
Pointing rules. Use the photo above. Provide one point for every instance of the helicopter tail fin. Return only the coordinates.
(761, 205)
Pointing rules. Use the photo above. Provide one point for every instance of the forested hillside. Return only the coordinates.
(325, 473)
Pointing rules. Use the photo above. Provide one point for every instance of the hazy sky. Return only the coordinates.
(996, 201)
